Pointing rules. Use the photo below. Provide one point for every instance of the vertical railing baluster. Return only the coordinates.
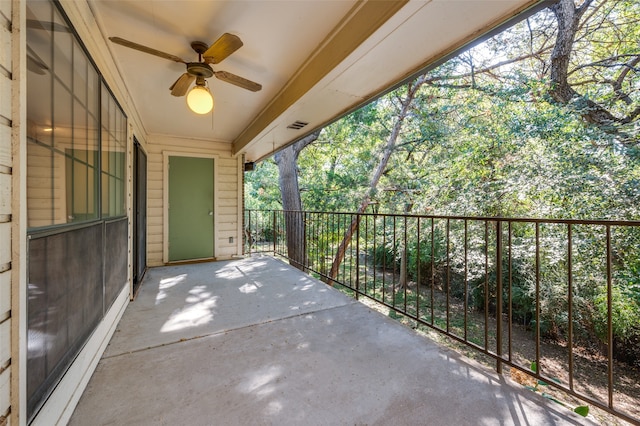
(404, 266)
(366, 247)
(384, 258)
(499, 295)
(510, 317)
(395, 261)
(433, 267)
(466, 278)
(324, 245)
(341, 219)
(418, 269)
(357, 256)
(538, 366)
(570, 301)
(374, 253)
(486, 285)
(313, 236)
(609, 320)
(448, 272)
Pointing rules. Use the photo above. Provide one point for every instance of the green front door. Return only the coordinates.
(190, 208)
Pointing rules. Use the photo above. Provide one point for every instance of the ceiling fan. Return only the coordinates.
(200, 70)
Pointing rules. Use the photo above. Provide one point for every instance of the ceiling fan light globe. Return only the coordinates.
(200, 100)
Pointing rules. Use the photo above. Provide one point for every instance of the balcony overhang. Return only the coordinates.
(316, 60)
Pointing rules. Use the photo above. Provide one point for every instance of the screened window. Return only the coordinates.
(77, 132)
(114, 137)
(77, 224)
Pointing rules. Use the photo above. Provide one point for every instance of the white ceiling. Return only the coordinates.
(281, 39)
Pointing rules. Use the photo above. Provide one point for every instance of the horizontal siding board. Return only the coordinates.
(225, 252)
(228, 202)
(154, 233)
(228, 211)
(230, 230)
(5, 398)
(5, 146)
(154, 186)
(224, 237)
(154, 220)
(5, 243)
(5, 194)
(225, 222)
(5, 342)
(155, 193)
(5, 292)
(5, 47)
(228, 162)
(5, 9)
(227, 194)
(155, 176)
(5, 97)
(154, 203)
(227, 179)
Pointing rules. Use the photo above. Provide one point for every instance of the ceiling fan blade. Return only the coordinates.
(145, 49)
(181, 85)
(223, 47)
(238, 81)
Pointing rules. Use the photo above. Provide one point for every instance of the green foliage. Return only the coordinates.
(625, 315)
(261, 189)
(583, 410)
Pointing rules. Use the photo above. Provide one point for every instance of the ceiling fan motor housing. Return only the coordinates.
(199, 69)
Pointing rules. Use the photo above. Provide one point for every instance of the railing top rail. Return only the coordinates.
(602, 222)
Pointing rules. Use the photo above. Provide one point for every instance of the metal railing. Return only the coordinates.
(540, 296)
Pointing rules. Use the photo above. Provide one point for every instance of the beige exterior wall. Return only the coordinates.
(227, 191)
(5, 209)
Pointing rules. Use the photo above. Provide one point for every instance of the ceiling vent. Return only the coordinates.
(297, 125)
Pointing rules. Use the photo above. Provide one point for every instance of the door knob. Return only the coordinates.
(210, 213)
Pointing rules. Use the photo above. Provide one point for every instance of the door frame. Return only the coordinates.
(165, 199)
(139, 215)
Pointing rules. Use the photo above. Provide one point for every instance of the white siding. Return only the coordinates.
(226, 187)
(5, 209)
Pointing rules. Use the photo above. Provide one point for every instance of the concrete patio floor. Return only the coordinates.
(256, 342)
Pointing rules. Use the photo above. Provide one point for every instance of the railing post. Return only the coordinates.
(499, 296)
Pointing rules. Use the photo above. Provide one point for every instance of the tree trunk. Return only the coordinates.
(568, 16)
(388, 150)
(286, 159)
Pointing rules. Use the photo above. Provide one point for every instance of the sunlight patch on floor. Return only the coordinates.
(273, 408)
(200, 311)
(238, 270)
(261, 383)
(249, 288)
(166, 284)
